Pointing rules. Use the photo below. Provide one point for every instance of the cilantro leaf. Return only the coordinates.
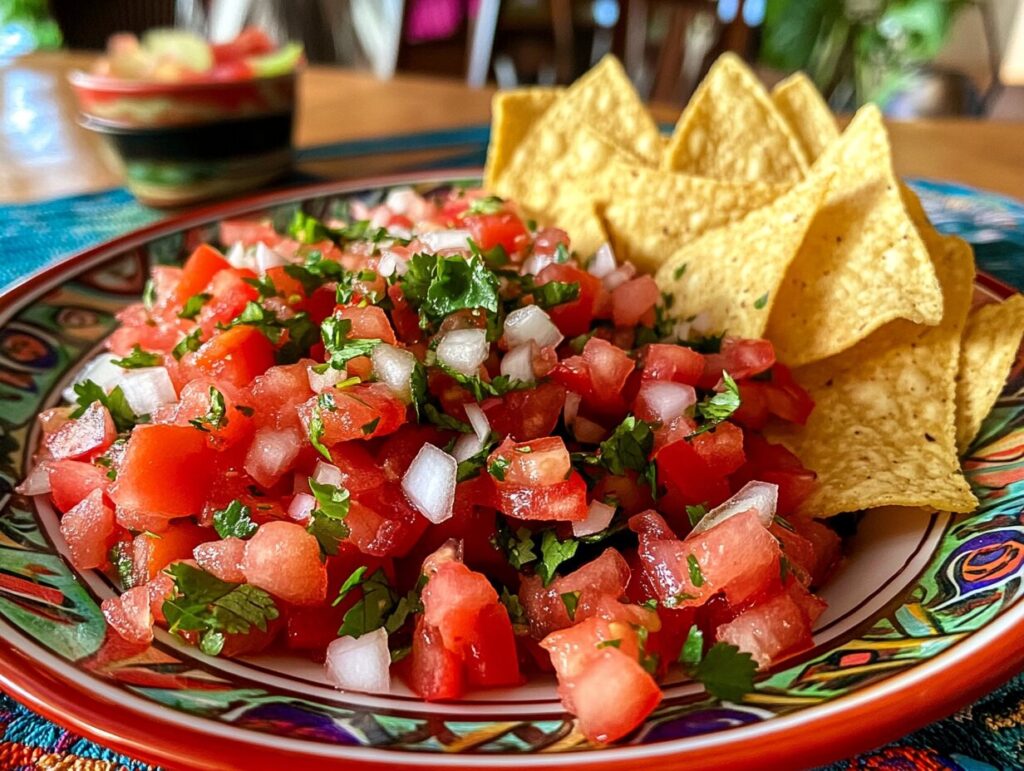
(351, 583)
(518, 545)
(706, 344)
(489, 204)
(442, 285)
(718, 406)
(316, 434)
(418, 386)
(439, 419)
(215, 417)
(482, 389)
(189, 343)
(696, 576)
(761, 301)
(372, 609)
(497, 468)
(264, 285)
(149, 295)
(307, 229)
(555, 293)
(122, 414)
(693, 648)
(341, 349)
(122, 560)
(327, 520)
(213, 608)
(300, 331)
(571, 600)
(516, 613)
(726, 672)
(696, 513)
(193, 305)
(138, 359)
(628, 447)
(234, 521)
(678, 272)
(609, 644)
(553, 553)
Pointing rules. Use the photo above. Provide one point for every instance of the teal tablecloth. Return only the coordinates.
(987, 735)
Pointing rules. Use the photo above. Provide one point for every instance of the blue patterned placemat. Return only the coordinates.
(987, 735)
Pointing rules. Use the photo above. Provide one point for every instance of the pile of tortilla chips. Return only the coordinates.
(759, 214)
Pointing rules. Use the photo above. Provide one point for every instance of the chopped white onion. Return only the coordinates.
(361, 663)
(598, 516)
(271, 454)
(37, 482)
(241, 256)
(101, 370)
(763, 497)
(267, 258)
(464, 350)
(535, 263)
(326, 380)
(619, 276)
(666, 400)
(301, 506)
(439, 240)
(466, 446)
(147, 388)
(571, 408)
(531, 323)
(429, 483)
(380, 217)
(394, 366)
(387, 263)
(517, 364)
(478, 420)
(327, 474)
(402, 200)
(603, 261)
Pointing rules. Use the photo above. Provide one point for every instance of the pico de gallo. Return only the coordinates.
(426, 439)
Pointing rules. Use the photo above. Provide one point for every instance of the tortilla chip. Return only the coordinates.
(731, 131)
(988, 351)
(731, 274)
(804, 109)
(655, 212)
(513, 114)
(882, 432)
(863, 263)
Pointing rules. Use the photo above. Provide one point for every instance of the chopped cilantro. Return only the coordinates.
(497, 468)
(264, 285)
(609, 644)
(571, 600)
(370, 427)
(380, 606)
(327, 519)
(316, 434)
(719, 406)
(213, 608)
(471, 466)
(124, 564)
(489, 204)
(696, 576)
(706, 344)
(553, 553)
(122, 414)
(725, 671)
(215, 418)
(351, 583)
(693, 648)
(628, 447)
(577, 343)
(341, 349)
(518, 546)
(447, 422)
(440, 285)
(307, 229)
(761, 301)
(193, 305)
(481, 389)
(149, 295)
(138, 359)
(514, 607)
(555, 293)
(561, 254)
(189, 343)
(678, 272)
(234, 521)
(696, 513)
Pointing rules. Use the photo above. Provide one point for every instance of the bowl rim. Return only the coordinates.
(81, 80)
(868, 717)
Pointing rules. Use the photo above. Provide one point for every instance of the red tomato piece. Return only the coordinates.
(222, 558)
(721, 448)
(634, 299)
(740, 358)
(491, 656)
(383, 523)
(573, 318)
(502, 229)
(249, 232)
(201, 266)
(71, 481)
(563, 501)
(537, 463)
(130, 615)
(195, 402)
(776, 628)
(89, 530)
(278, 392)
(166, 471)
(284, 559)
(363, 411)
(528, 414)
(251, 41)
(236, 355)
(397, 451)
(663, 361)
(368, 322)
(773, 463)
(360, 471)
(90, 434)
(433, 673)
(452, 599)
(826, 544)
(689, 476)
(152, 554)
(229, 294)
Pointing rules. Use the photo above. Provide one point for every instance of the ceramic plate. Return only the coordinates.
(923, 615)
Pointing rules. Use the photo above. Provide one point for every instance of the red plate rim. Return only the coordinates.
(842, 727)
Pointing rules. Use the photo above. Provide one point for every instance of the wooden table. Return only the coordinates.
(44, 153)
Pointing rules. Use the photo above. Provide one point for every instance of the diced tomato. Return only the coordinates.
(160, 337)
(632, 495)
(228, 296)
(222, 558)
(562, 501)
(251, 41)
(248, 232)
(786, 398)
(452, 600)
(536, 463)
(369, 321)
(152, 553)
(526, 414)
(773, 463)
(491, 658)
(599, 375)
(71, 481)
(383, 523)
(166, 471)
(277, 393)
(236, 355)
(434, 673)
(634, 299)
(284, 559)
(502, 229)
(201, 266)
(88, 435)
(359, 470)
(740, 358)
(721, 448)
(360, 412)
(662, 361)
(130, 615)
(776, 628)
(89, 530)
(689, 476)
(196, 401)
(573, 318)
(826, 545)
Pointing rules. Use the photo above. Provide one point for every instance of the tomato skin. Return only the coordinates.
(201, 266)
(688, 475)
(433, 673)
(166, 471)
(151, 555)
(251, 41)
(740, 358)
(277, 393)
(194, 402)
(360, 471)
(677, 363)
(527, 414)
(247, 231)
(72, 480)
(236, 355)
(491, 656)
(502, 229)
(776, 628)
(453, 599)
(563, 501)
(599, 375)
(573, 318)
(826, 545)
(537, 463)
(384, 523)
(88, 435)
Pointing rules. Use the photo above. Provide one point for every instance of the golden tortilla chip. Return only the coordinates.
(862, 264)
(513, 114)
(804, 109)
(882, 431)
(731, 131)
(653, 212)
(988, 351)
(731, 274)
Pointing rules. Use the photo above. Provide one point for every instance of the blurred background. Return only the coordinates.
(913, 57)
